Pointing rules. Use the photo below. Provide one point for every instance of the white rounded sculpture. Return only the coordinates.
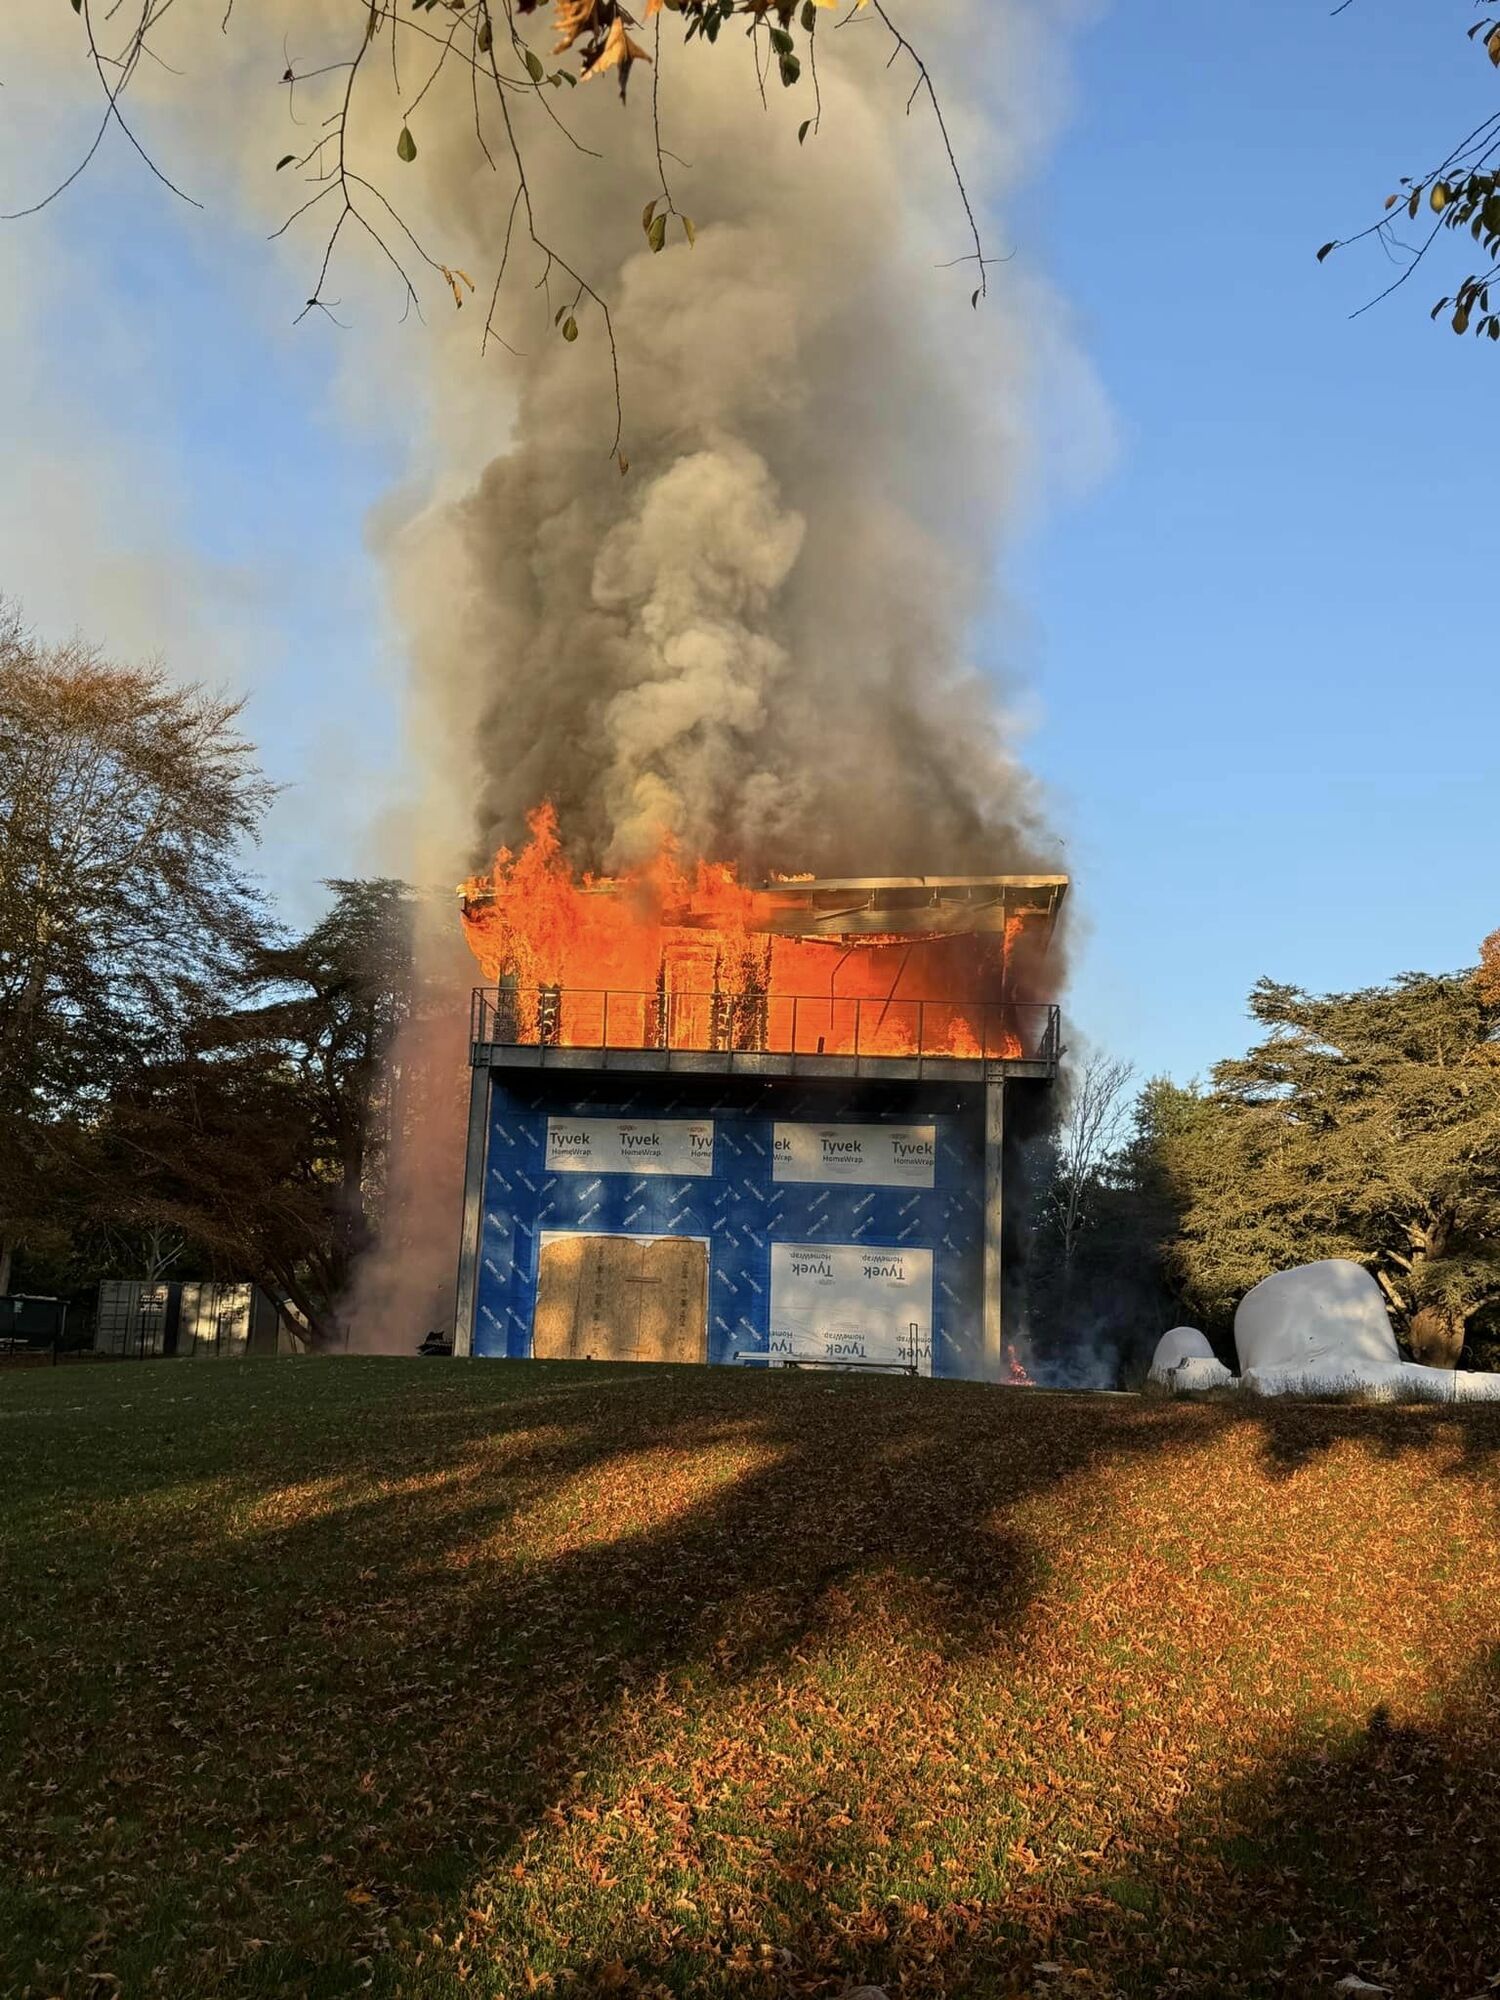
(1184, 1360)
(1323, 1316)
(1319, 1330)
(1178, 1345)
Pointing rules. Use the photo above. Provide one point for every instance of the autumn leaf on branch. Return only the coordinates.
(618, 52)
(580, 17)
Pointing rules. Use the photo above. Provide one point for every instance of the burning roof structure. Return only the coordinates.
(694, 959)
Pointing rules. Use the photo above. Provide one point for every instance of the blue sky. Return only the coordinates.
(1260, 647)
(179, 477)
(1264, 645)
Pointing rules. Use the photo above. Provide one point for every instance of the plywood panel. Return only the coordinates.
(555, 1323)
(620, 1298)
(609, 1298)
(674, 1301)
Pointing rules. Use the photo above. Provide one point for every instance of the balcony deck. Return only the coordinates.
(807, 1035)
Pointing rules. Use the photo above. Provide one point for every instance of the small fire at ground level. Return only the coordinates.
(754, 1124)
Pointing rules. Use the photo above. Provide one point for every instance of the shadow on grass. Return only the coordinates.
(1374, 1853)
(295, 1734)
(1460, 1439)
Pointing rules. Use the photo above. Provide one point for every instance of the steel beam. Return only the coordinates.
(474, 1171)
(994, 1218)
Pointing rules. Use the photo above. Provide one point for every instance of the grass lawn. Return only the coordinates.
(442, 1678)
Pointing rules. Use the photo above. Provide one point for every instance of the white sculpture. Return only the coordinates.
(1177, 1346)
(1184, 1360)
(1321, 1329)
(1323, 1316)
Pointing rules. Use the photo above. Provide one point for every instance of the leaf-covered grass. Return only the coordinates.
(432, 1679)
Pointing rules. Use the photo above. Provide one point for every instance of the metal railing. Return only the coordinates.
(806, 1024)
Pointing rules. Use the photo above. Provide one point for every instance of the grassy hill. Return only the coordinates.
(428, 1678)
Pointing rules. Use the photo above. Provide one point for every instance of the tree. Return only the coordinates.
(1090, 1134)
(180, 1083)
(1365, 1125)
(262, 1133)
(125, 801)
(1461, 193)
(337, 1000)
(491, 75)
(1087, 1242)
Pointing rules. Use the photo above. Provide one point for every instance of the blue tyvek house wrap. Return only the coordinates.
(747, 1217)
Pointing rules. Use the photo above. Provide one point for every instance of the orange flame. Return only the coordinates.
(1016, 1372)
(678, 957)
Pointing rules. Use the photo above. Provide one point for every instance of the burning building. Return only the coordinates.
(715, 1121)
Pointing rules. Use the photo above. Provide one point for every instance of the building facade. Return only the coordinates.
(685, 1180)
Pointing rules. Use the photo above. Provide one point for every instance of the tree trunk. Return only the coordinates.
(1436, 1336)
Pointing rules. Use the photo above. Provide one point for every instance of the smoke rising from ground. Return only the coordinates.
(403, 1285)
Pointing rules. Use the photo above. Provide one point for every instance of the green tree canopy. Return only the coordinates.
(262, 1132)
(1364, 1125)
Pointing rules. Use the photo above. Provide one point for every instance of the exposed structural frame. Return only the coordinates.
(852, 906)
(912, 905)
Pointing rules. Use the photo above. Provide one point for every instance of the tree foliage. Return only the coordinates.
(1362, 1125)
(1365, 1125)
(334, 1001)
(1094, 1284)
(262, 1132)
(180, 1082)
(125, 802)
(1460, 194)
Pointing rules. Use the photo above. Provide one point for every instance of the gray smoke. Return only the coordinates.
(756, 642)
(759, 640)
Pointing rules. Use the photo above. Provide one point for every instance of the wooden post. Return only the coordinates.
(473, 1222)
(994, 1217)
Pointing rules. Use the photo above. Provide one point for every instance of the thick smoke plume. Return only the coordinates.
(756, 643)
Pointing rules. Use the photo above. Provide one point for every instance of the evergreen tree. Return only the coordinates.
(1364, 1125)
(262, 1133)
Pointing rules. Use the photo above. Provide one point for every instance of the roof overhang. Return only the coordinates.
(907, 905)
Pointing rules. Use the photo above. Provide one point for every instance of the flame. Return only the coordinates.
(1016, 1373)
(676, 956)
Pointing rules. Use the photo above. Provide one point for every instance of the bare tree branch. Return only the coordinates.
(924, 82)
(598, 40)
